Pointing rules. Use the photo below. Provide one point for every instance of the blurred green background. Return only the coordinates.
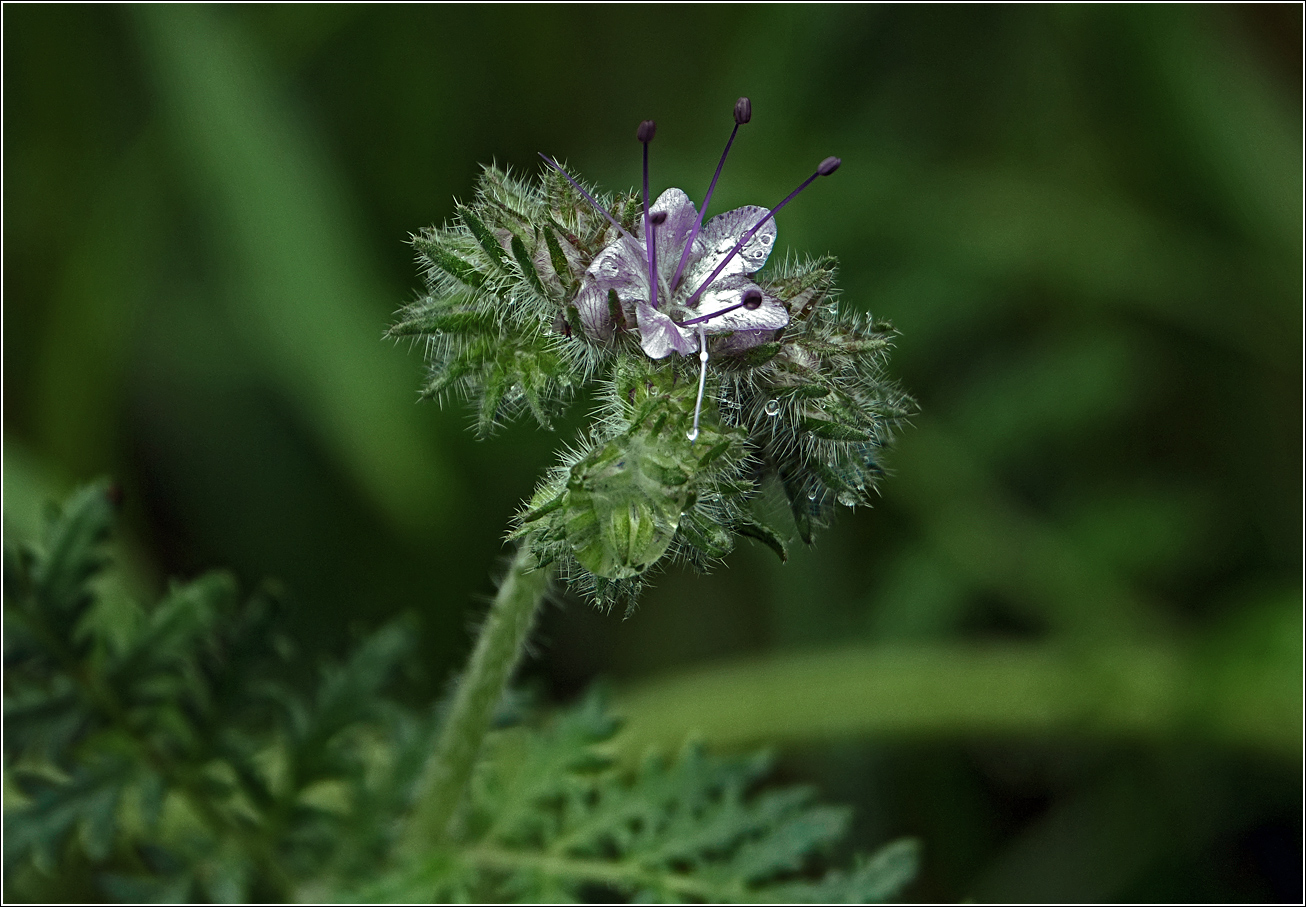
(1065, 651)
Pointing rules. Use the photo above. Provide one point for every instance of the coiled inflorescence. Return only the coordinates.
(539, 288)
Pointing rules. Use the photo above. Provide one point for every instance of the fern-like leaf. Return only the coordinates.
(550, 818)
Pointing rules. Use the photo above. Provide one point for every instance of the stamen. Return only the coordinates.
(826, 167)
(702, 382)
(589, 198)
(743, 113)
(752, 300)
(657, 219)
(644, 134)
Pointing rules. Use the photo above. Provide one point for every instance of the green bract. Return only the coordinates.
(805, 406)
(621, 501)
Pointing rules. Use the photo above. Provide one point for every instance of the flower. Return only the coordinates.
(538, 290)
(709, 290)
(714, 294)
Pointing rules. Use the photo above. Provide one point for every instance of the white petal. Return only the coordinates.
(674, 231)
(595, 315)
(660, 336)
(620, 266)
(721, 233)
(725, 294)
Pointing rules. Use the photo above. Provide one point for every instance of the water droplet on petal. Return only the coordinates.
(772, 407)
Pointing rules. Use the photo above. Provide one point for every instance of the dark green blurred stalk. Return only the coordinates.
(1244, 690)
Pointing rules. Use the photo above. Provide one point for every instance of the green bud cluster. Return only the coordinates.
(810, 408)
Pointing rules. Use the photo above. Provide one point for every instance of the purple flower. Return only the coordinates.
(712, 295)
(682, 279)
(709, 291)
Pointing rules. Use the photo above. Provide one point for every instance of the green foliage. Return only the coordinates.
(551, 819)
(822, 408)
(164, 746)
(498, 279)
(640, 487)
(163, 752)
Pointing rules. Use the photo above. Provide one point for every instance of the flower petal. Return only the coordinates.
(721, 233)
(595, 314)
(726, 293)
(674, 231)
(660, 336)
(621, 267)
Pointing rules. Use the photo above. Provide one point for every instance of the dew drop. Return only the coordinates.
(772, 407)
(811, 495)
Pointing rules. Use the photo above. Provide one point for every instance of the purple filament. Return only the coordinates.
(655, 220)
(693, 234)
(693, 299)
(750, 302)
(648, 230)
(589, 198)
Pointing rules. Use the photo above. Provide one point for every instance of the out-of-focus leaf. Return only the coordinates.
(312, 310)
(1117, 691)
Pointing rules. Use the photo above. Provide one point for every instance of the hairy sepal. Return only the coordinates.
(618, 506)
(500, 279)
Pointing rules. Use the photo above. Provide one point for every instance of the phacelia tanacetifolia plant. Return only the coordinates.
(167, 751)
(714, 375)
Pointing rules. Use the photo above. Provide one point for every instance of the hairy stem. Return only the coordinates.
(498, 650)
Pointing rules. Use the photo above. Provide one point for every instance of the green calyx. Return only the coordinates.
(497, 319)
(617, 508)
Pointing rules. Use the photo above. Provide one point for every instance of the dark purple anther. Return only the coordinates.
(752, 298)
(646, 131)
(825, 168)
(659, 218)
(743, 113)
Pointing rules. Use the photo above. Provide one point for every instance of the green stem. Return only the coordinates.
(498, 650)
